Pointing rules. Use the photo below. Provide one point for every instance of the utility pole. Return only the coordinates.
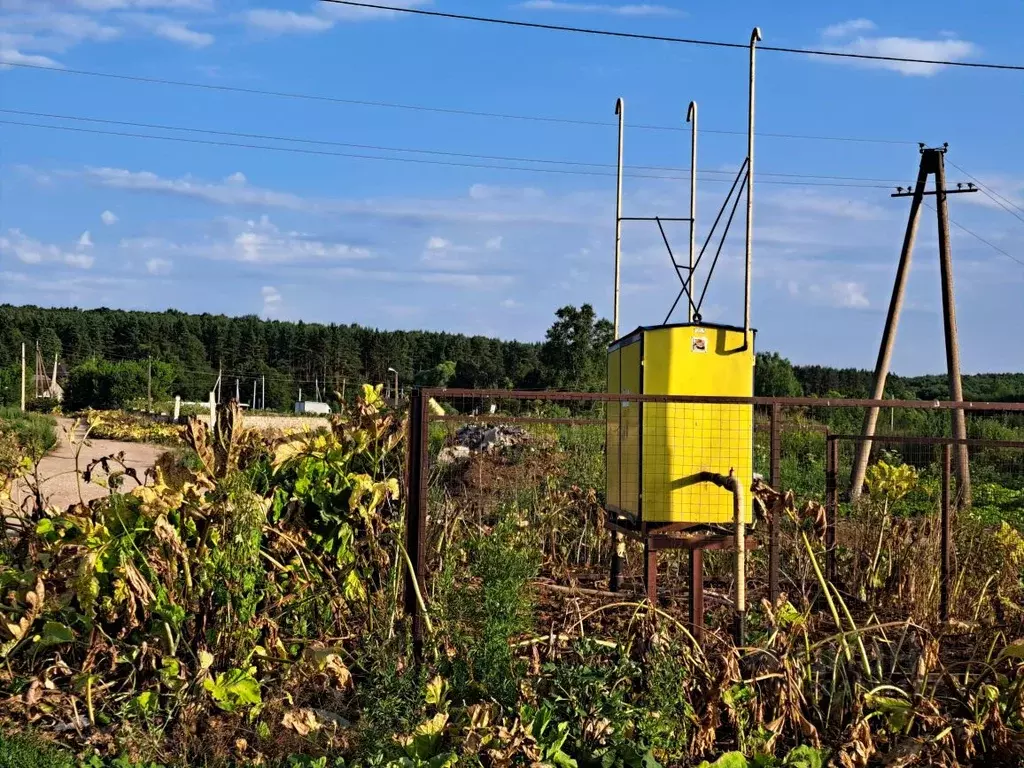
(263, 392)
(149, 383)
(254, 394)
(238, 394)
(933, 161)
(956, 391)
(22, 376)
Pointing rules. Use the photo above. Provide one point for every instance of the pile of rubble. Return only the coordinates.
(481, 438)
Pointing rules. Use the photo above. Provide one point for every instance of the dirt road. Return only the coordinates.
(60, 483)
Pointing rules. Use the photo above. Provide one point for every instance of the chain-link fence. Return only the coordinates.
(569, 470)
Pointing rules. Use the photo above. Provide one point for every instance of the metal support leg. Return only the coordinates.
(651, 572)
(697, 594)
(618, 555)
(775, 478)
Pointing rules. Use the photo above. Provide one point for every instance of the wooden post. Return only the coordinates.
(946, 534)
(956, 392)
(892, 320)
(149, 384)
(775, 479)
(416, 517)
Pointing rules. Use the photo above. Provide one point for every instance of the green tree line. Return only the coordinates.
(105, 358)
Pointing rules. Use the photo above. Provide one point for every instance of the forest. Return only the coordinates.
(105, 354)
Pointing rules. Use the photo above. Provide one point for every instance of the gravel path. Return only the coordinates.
(60, 485)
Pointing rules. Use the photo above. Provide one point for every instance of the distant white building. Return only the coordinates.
(312, 406)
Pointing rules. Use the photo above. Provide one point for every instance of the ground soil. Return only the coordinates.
(62, 486)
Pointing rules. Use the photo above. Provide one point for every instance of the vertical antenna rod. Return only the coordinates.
(620, 110)
(691, 118)
(755, 36)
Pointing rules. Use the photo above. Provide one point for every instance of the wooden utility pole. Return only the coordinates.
(933, 161)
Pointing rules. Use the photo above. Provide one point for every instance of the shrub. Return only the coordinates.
(34, 432)
(20, 751)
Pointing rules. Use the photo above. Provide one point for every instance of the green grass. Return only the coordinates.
(35, 431)
(29, 752)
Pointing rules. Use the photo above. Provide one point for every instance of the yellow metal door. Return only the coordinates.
(681, 440)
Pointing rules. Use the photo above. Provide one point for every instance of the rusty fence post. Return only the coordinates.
(650, 571)
(946, 534)
(775, 480)
(831, 505)
(416, 516)
(697, 594)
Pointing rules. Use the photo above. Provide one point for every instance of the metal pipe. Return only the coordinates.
(691, 118)
(620, 110)
(755, 36)
(732, 484)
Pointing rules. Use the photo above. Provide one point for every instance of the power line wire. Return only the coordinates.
(439, 110)
(667, 39)
(989, 191)
(423, 161)
(503, 158)
(981, 239)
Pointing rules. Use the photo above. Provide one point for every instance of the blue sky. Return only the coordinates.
(99, 220)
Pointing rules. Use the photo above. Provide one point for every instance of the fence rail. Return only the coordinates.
(797, 443)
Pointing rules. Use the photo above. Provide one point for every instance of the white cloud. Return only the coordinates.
(484, 205)
(80, 260)
(628, 9)
(438, 244)
(944, 49)
(846, 28)
(510, 304)
(494, 244)
(271, 300)
(235, 192)
(10, 55)
(321, 17)
(109, 218)
(173, 30)
(236, 178)
(85, 241)
(158, 266)
(283, 22)
(30, 251)
(253, 242)
(121, 5)
(841, 293)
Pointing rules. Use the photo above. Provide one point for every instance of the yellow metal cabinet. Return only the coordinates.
(655, 450)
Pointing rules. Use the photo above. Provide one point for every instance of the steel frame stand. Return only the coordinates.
(656, 537)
